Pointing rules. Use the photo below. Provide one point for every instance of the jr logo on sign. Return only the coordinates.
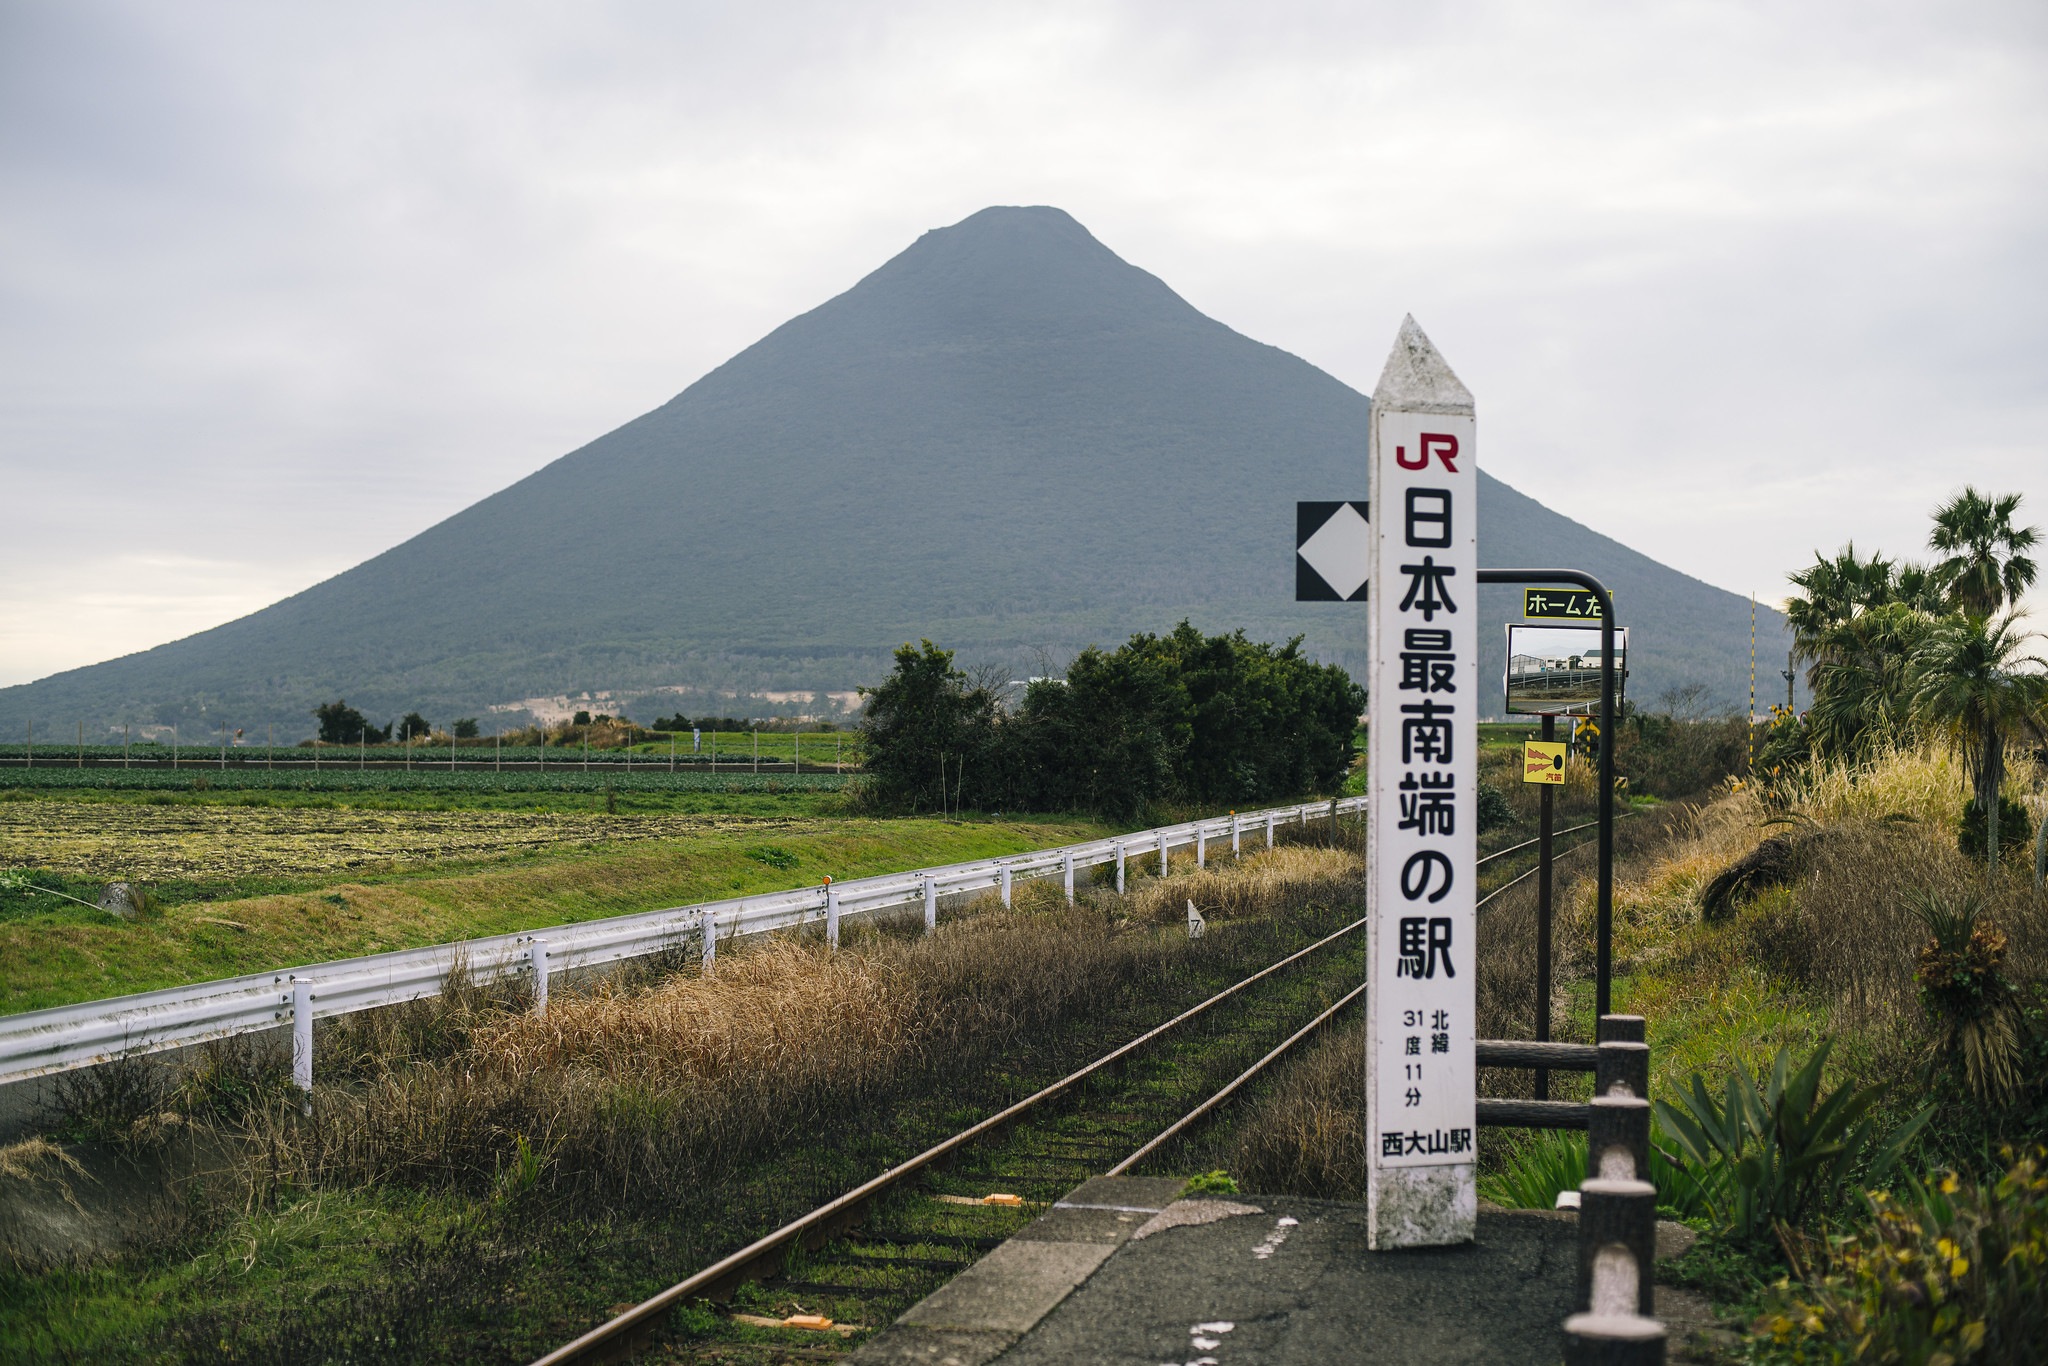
(1439, 444)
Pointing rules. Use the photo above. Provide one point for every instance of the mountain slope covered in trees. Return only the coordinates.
(1028, 445)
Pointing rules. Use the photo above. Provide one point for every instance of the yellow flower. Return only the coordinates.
(1945, 1247)
(1948, 1184)
(1959, 1267)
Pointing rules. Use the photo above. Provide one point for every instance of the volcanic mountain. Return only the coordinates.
(1006, 439)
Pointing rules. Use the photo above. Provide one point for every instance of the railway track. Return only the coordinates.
(861, 1259)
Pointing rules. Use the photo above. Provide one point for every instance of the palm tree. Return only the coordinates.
(1842, 589)
(1860, 681)
(1971, 682)
(1987, 566)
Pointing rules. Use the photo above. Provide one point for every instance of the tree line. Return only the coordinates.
(341, 724)
(1900, 652)
(1183, 717)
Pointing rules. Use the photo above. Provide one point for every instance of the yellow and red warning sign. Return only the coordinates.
(1543, 762)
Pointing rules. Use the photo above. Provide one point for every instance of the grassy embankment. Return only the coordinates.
(247, 888)
(1825, 951)
(479, 1184)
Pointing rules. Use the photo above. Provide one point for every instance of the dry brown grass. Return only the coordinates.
(1257, 884)
(637, 1088)
(1308, 1136)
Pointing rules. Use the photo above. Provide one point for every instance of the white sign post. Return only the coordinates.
(1421, 754)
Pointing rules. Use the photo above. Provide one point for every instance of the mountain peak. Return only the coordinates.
(1005, 439)
(1009, 267)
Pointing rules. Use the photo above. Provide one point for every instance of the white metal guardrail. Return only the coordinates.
(44, 1041)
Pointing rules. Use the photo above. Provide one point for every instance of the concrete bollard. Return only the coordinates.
(831, 914)
(1067, 870)
(1119, 867)
(1617, 1216)
(302, 1040)
(931, 904)
(1618, 1138)
(1622, 1029)
(1622, 1068)
(537, 955)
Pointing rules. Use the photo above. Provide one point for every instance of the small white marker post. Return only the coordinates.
(1006, 886)
(831, 914)
(1162, 853)
(1067, 867)
(710, 941)
(302, 1041)
(1201, 847)
(1119, 867)
(537, 950)
(931, 904)
(1421, 745)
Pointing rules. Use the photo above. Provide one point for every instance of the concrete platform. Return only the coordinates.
(1123, 1273)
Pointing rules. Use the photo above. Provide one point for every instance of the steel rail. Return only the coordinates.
(842, 1212)
(1212, 1102)
(1527, 844)
(1526, 874)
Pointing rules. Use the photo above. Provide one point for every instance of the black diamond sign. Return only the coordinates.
(1332, 552)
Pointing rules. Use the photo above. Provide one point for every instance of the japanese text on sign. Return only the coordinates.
(1424, 784)
(1560, 604)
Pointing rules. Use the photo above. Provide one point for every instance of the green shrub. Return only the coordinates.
(2015, 830)
(1779, 1153)
(1974, 1012)
(1947, 1274)
(1494, 810)
(1555, 1161)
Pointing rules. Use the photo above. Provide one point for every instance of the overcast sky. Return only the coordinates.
(284, 285)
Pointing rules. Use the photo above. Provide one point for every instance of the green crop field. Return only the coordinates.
(339, 779)
(249, 888)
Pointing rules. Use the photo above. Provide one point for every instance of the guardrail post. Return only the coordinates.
(1067, 868)
(1236, 823)
(1621, 1029)
(1623, 1069)
(1162, 853)
(710, 929)
(302, 1040)
(1269, 830)
(1201, 847)
(831, 914)
(1006, 886)
(1616, 1290)
(1617, 1246)
(1119, 867)
(931, 904)
(537, 950)
(1618, 1137)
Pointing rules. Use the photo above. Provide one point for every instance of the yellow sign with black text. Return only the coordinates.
(1543, 762)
